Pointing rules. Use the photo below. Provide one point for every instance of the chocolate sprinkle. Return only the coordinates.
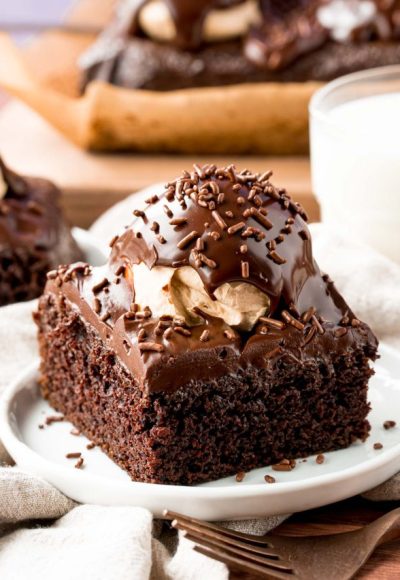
(168, 333)
(210, 263)
(182, 331)
(236, 228)
(168, 211)
(178, 221)
(284, 465)
(317, 324)
(219, 220)
(120, 270)
(150, 347)
(261, 219)
(276, 258)
(230, 335)
(97, 288)
(240, 476)
(54, 419)
(205, 336)
(306, 317)
(187, 240)
(272, 322)
(310, 335)
(287, 317)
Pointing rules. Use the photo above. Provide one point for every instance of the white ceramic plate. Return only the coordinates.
(343, 474)
(94, 252)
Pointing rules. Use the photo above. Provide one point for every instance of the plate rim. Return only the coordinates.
(13, 443)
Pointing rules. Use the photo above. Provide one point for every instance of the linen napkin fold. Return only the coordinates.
(44, 535)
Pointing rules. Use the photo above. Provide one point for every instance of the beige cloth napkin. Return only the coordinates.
(44, 535)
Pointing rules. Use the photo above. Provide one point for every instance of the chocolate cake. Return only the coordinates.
(210, 343)
(173, 44)
(34, 237)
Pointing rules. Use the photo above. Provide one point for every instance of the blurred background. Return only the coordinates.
(21, 17)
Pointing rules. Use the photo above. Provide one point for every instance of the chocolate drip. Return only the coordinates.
(188, 18)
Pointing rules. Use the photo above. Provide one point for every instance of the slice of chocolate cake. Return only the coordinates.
(34, 237)
(166, 45)
(210, 342)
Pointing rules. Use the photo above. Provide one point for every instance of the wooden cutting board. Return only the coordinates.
(94, 182)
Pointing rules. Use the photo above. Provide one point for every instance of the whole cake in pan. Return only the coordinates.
(210, 343)
(34, 236)
(173, 44)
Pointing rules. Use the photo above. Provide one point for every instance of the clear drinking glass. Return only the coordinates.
(355, 156)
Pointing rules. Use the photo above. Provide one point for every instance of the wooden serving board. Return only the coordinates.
(94, 182)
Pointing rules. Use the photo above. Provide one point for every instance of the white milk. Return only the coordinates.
(356, 169)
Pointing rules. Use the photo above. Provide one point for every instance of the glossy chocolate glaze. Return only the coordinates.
(308, 318)
(31, 217)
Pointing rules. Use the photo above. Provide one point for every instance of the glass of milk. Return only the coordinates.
(355, 156)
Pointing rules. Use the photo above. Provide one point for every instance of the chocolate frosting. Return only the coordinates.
(229, 226)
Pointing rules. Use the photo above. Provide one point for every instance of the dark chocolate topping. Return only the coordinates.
(222, 223)
(229, 226)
